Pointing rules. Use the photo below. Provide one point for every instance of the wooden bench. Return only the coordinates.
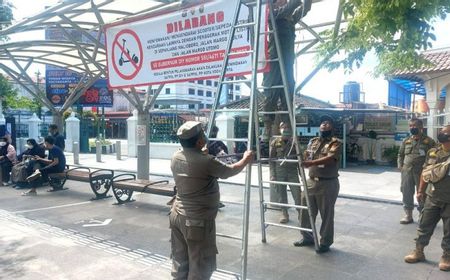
(124, 185)
(99, 180)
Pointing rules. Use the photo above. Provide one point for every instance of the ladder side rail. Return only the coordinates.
(290, 106)
(251, 134)
(216, 104)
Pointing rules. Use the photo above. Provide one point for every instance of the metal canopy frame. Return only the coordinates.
(88, 17)
(84, 16)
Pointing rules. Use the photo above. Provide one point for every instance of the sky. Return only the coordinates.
(324, 85)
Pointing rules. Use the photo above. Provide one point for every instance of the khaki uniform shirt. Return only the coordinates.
(412, 152)
(323, 147)
(440, 191)
(195, 177)
(279, 149)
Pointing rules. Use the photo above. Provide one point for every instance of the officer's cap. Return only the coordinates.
(189, 129)
(327, 118)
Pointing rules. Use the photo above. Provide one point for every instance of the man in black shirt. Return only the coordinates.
(55, 163)
(59, 139)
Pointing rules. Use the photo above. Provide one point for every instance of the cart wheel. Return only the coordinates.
(120, 61)
(135, 59)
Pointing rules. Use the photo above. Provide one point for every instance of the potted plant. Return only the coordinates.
(390, 154)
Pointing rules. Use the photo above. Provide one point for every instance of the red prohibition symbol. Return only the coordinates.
(130, 56)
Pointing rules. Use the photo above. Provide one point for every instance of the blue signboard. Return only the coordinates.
(59, 82)
(98, 95)
(399, 136)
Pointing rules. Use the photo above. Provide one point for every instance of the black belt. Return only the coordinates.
(322, 178)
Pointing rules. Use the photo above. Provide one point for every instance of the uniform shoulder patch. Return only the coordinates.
(432, 152)
(335, 139)
(312, 140)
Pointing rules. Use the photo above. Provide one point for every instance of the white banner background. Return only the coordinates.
(183, 45)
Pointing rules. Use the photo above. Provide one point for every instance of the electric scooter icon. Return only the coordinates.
(122, 60)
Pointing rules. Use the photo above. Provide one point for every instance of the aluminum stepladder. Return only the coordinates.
(254, 26)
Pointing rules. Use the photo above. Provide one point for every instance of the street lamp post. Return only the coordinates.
(39, 109)
(2, 118)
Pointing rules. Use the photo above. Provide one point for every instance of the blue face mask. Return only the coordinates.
(286, 133)
(414, 131)
(443, 138)
(325, 134)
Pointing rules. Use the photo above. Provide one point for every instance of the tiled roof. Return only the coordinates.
(440, 61)
(302, 101)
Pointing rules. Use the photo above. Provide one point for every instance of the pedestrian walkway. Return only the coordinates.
(364, 182)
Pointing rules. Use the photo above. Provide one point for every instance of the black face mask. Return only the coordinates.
(443, 138)
(325, 134)
(414, 131)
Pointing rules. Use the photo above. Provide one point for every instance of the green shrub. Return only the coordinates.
(390, 154)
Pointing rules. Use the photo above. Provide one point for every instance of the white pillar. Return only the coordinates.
(72, 131)
(432, 121)
(2, 118)
(447, 106)
(432, 96)
(225, 123)
(33, 127)
(131, 134)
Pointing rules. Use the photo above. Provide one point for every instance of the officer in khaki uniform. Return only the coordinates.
(282, 148)
(193, 213)
(411, 158)
(287, 13)
(434, 189)
(322, 158)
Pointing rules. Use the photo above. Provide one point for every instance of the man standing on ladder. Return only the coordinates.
(193, 213)
(322, 158)
(411, 158)
(287, 13)
(282, 148)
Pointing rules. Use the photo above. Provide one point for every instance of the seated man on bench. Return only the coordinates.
(55, 163)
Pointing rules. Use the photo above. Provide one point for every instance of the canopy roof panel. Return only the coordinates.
(74, 19)
(86, 14)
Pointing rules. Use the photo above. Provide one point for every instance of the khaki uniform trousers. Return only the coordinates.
(432, 213)
(287, 174)
(410, 178)
(322, 199)
(193, 247)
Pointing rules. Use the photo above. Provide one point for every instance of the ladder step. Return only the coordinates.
(271, 87)
(278, 160)
(240, 53)
(287, 226)
(230, 139)
(270, 60)
(236, 81)
(250, 3)
(232, 110)
(273, 113)
(266, 32)
(248, 24)
(283, 183)
(286, 205)
(228, 236)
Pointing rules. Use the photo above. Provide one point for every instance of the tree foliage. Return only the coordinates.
(6, 14)
(395, 30)
(7, 92)
(11, 100)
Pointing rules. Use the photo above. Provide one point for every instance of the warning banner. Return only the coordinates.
(182, 45)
